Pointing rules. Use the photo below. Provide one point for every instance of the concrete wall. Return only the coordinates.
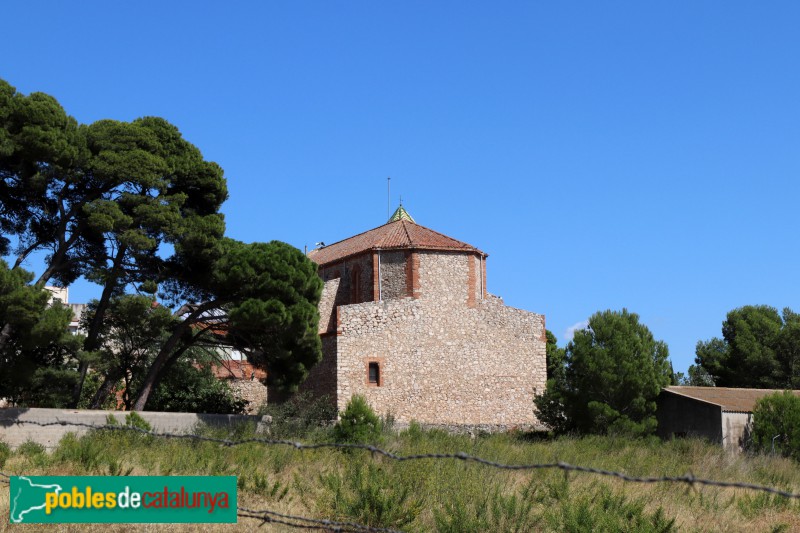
(441, 361)
(15, 434)
(737, 428)
(679, 416)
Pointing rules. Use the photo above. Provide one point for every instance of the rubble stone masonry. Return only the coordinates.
(254, 391)
(446, 357)
(393, 275)
(448, 353)
(442, 365)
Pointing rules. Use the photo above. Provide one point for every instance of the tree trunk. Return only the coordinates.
(165, 354)
(105, 389)
(5, 335)
(25, 253)
(57, 262)
(93, 335)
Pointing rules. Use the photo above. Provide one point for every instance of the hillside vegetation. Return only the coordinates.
(446, 495)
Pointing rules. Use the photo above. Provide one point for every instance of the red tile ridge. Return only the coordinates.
(381, 237)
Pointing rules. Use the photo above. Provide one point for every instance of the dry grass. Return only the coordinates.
(447, 495)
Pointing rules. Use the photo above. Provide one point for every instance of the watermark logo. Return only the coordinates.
(127, 499)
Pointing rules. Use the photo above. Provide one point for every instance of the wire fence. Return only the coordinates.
(302, 522)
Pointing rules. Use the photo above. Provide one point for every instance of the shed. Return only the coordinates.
(720, 414)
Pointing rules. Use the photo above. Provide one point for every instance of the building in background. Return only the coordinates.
(406, 321)
(719, 414)
(61, 294)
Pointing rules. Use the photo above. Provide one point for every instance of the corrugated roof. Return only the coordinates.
(731, 400)
(400, 234)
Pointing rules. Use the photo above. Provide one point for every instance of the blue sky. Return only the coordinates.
(605, 154)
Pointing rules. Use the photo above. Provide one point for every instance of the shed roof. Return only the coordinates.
(731, 400)
(397, 234)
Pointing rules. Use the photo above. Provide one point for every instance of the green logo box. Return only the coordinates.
(122, 499)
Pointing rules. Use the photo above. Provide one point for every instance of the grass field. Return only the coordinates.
(446, 495)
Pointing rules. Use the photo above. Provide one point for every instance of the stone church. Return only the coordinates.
(406, 322)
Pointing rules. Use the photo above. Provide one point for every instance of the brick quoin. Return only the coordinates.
(409, 288)
(416, 292)
(412, 273)
(376, 293)
(483, 267)
(471, 281)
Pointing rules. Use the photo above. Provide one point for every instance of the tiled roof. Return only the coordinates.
(400, 214)
(400, 234)
(731, 400)
(234, 369)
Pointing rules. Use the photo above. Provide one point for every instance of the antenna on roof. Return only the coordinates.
(388, 196)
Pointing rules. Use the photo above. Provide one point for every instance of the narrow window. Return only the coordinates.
(355, 286)
(374, 373)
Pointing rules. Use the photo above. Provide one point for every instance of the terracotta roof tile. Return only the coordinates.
(235, 369)
(731, 400)
(400, 234)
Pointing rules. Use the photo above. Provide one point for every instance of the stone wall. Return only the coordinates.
(321, 380)
(442, 362)
(328, 303)
(254, 391)
(393, 275)
(344, 271)
(444, 277)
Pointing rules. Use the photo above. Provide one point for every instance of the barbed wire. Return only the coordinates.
(688, 479)
(302, 522)
(310, 523)
(267, 516)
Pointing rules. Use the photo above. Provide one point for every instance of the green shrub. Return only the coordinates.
(5, 453)
(493, 511)
(358, 423)
(606, 510)
(777, 414)
(134, 419)
(299, 416)
(87, 451)
(188, 388)
(368, 495)
(34, 453)
(30, 449)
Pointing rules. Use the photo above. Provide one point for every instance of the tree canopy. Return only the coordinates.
(39, 351)
(759, 348)
(134, 207)
(776, 423)
(613, 372)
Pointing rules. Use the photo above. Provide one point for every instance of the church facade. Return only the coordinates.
(406, 322)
